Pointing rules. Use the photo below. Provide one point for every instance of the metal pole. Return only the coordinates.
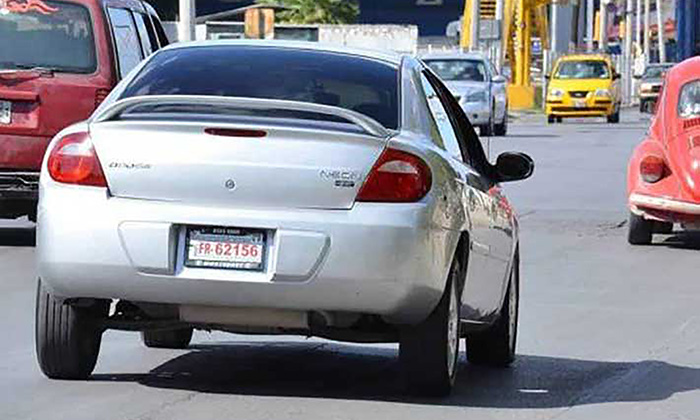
(590, 23)
(638, 28)
(474, 44)
(660, 31)
(187, 15)
(499, 43)
(628, 54)
(647, 6)
(553, 27)
(603, 35)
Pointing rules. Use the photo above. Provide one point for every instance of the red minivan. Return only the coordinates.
(58, 60)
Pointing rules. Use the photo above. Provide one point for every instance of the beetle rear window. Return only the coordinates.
(689, 100)
(363, 85)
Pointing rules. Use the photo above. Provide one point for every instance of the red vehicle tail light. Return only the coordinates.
(100, 96)
(652, 168)
(397, 177)
(73, 161)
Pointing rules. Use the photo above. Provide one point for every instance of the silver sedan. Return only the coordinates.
(278, 188)
(476, 84)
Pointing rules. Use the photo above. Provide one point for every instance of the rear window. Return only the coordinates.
(363, 85)
(51, 34)
(689, 100)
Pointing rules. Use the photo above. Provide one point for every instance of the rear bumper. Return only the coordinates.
(665, 209)
(19, 192)
(374, 259)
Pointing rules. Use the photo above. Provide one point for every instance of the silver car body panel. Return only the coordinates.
(325, 251)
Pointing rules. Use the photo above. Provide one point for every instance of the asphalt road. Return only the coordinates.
(607, 330)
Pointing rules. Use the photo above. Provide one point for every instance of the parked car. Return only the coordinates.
(475, 83)
(663, 175)
(279, 188)
(650, 85)
(583, 85)
(58, 62)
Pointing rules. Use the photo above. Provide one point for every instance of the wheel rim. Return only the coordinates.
(452, 333)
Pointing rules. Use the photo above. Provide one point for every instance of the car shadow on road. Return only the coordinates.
(680, 240)
(317, 370)
(17, 236)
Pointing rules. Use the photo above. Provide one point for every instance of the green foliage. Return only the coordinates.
(315, 11)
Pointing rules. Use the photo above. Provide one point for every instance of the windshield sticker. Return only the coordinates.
(17, 6)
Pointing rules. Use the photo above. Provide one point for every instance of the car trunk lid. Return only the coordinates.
(235, 165)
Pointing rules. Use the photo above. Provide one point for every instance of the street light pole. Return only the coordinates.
(660, 31)
(185, 27)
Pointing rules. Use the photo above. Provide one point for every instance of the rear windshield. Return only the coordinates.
(363, 85)
(50, 34)
(585, 69)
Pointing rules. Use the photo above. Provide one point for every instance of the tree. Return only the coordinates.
(315, 11)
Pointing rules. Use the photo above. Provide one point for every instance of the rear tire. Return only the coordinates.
(663, 227)
(502, 128)
(560, 120)
(167, 339)
(615, 117)
(640, 230)
(496, 346)
(67, 337)
(429, 351)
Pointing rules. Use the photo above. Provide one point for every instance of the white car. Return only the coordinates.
(278, 188)
(474, 81)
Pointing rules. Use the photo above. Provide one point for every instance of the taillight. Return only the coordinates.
(73, 161)
(100, 96)
(652, 168)
(397, 177)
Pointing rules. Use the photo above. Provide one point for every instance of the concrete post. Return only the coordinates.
(185, 27)
(660, 31)
(590, 23)
(499, 43)
(474, 44)
(647, 6)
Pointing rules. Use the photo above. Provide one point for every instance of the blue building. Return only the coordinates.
(431, 16)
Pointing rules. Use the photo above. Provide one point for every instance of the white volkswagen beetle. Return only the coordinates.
(278, 188)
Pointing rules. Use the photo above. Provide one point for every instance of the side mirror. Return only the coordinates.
(498, 79)
(637, 76)
(616, 76)
(514, 166)
(547, 76)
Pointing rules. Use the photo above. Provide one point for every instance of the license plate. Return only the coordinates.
(5, 112)
(229, 248)
(580, 104)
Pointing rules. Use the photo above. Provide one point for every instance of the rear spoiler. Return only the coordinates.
(369, 125)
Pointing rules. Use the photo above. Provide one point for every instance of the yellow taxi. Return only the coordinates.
(583, 85)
